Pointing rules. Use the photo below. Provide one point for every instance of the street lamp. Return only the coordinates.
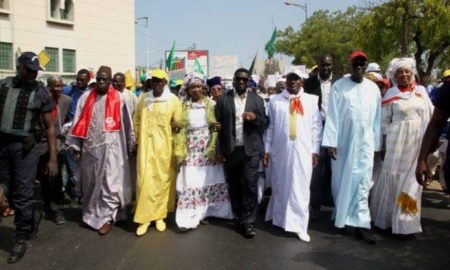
(304, 7)
(147, 37)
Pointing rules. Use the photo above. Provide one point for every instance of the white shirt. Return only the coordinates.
(239, 105)
(325, 86)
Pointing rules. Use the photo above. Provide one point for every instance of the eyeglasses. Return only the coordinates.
(241, 79)
(101, 79)
(358, 64)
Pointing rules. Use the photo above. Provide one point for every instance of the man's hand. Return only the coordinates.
(216, 127)
(315, 159)
(249, 116)
(266, 160)
(332, 152)
(52, 168)
(77, 155)
(421, 172)
(175, 126)
(220, 159)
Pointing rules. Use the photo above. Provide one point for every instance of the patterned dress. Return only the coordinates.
(396, 195)
(201, 182)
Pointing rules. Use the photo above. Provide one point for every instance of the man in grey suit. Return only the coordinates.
(52, 189)
(243, 121)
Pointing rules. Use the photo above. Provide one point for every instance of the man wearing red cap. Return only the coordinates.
(101, 138)
(352, 134)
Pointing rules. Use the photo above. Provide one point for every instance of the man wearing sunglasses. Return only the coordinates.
(243, 120)
(23, 100)
(352, 134)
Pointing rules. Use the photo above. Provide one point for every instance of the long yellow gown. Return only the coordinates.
(156, 170)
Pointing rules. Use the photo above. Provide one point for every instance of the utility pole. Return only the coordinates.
(304, 7)
(147, 39)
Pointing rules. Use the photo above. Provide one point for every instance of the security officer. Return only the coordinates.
(23, 101)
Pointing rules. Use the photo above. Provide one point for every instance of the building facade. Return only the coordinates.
(75, 34)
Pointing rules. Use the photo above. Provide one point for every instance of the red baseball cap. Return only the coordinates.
(357, 54)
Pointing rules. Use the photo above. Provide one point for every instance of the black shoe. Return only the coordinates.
(59, 218)
(204, 221)
(365, 235)
(18, 250)
(37, 220)
(248, 231)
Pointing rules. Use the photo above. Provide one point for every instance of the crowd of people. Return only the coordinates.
(361, 143)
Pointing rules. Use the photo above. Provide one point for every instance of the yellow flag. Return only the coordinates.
(44, 58)
(129, 83)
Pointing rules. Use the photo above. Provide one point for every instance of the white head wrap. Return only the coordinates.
(397, 63)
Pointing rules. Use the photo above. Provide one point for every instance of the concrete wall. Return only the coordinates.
(102, 32)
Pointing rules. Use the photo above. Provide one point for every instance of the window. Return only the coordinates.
(53, 65)
(4, 4)
(6, 56)
(69, 61)
(61, 10)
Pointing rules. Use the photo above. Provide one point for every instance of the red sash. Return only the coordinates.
(296, 105)
(112, 113)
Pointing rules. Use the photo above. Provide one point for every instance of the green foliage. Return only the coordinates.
(323, 32)
(378, 31)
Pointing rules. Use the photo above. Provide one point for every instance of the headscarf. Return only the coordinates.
(397, 63)
(193, 77)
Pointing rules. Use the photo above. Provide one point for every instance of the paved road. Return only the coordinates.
(217, 246)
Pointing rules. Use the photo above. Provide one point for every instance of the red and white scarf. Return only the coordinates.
(395, 93)
(112, 113)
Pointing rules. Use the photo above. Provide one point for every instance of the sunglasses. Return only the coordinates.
(358, 64)
(241, 79)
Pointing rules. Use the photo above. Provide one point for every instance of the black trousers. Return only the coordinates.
(17, 173)
(51, 189)
(321, 181)
(241, 173)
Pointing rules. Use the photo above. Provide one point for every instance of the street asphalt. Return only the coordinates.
(218, 246)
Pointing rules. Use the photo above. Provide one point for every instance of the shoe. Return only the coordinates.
(248, 231)
(142, 229)
(365, 235)
(183, 229)
(314, 214)
(160, 225)
(204, 221)
(59, 218)
(106, 228)
(37, 220)
(304, 237)
(18, 250)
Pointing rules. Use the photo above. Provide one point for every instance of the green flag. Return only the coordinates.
(197, 67)
(252, 66)
(270, 46)
(169, 60)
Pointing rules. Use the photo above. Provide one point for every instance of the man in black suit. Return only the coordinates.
(320, 85)
(243, 121)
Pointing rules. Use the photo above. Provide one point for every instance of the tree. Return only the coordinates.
(417, 28)
(382, 29)
(323, 32)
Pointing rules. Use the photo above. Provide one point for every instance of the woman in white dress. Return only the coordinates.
(201, 182)
(406, 111)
